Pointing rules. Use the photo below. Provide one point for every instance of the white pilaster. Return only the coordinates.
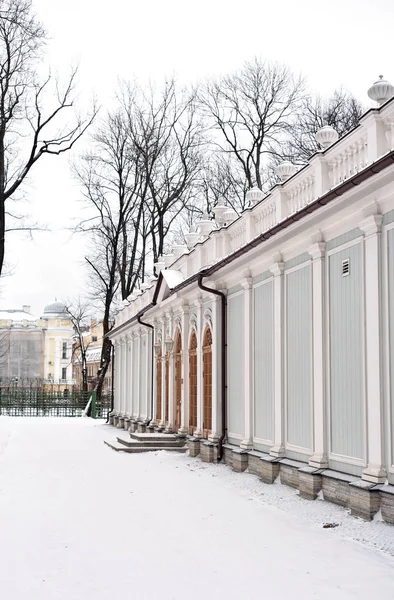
(117, 384)
(375, 471)
(128, 403)
(139, 373)
(185, 371)
(163, 377)
(148, 373)
(319, 459)
(247, 442)
(198, 432)
(123, 377)
(278, 449)
(57, 373)
(154, 379)
(132, 358)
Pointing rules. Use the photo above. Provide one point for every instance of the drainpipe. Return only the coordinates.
(152, 358)
(223, 357)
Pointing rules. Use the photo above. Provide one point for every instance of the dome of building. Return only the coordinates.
(55, 308)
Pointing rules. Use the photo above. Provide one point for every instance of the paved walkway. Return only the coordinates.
(79, 522)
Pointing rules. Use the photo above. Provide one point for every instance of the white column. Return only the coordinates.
(185, 371)
(123, 377)
(319, 459)
(57, 373)
(117, 391)
(139, 373)
(163, 376)
(148, 373)
(278, 449)
(198, 432)
(247, 442)
(171, 395)
(375, 471)
(128, 403)
(153, 422)
(132, 359)
(216, 369)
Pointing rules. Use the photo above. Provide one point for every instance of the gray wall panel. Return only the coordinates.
(297, 260)
(345, 238)
(235, 355)
(263, 362)
(388, 217)
(346, 354)
(299, 357)
(390, 266)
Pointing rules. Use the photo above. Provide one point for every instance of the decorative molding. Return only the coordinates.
(317, 250)
(277, 269)
(247, 283)
(371, 225)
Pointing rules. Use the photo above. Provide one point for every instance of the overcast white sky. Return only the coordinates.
(333, 43)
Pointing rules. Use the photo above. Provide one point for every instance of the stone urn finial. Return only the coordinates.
(381, 91)
(191, 239)
(326, 136)
(230, 215)
(205, 225)
(219, 211)
(253, 196)
(285, 170)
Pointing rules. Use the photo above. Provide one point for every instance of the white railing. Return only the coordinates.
(237, 234)
(348, 158)
(361, 147)
(300, 191)
(265, 215)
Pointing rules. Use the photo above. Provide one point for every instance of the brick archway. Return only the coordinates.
(207, 381)
(192, 382)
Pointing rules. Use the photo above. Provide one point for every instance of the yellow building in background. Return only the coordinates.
(58, 345)
(36, 350)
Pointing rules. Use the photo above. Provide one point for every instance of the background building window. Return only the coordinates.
(64, 351)
(64, 373)
(94, 338)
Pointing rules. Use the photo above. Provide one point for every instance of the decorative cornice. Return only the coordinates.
(371, 225)
(317, 250)
(277, 269)
(247, 283)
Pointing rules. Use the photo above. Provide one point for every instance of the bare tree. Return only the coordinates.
(253, 111)
(341, 110)
(27, 130)
(166, 133)
(78, 312)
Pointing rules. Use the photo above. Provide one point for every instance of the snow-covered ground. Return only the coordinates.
(79, 521)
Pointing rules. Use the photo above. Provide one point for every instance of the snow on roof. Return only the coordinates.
(172, 277)
(16, 315)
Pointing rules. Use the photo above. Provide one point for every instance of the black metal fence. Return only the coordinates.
(33, 402)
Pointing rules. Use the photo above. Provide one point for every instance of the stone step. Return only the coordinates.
(148, 443)
(153, 437)
(137, 449)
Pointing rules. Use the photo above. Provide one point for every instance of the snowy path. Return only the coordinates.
(79, 522)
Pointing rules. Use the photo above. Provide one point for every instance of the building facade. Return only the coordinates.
(269, 340)
(36, 351)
